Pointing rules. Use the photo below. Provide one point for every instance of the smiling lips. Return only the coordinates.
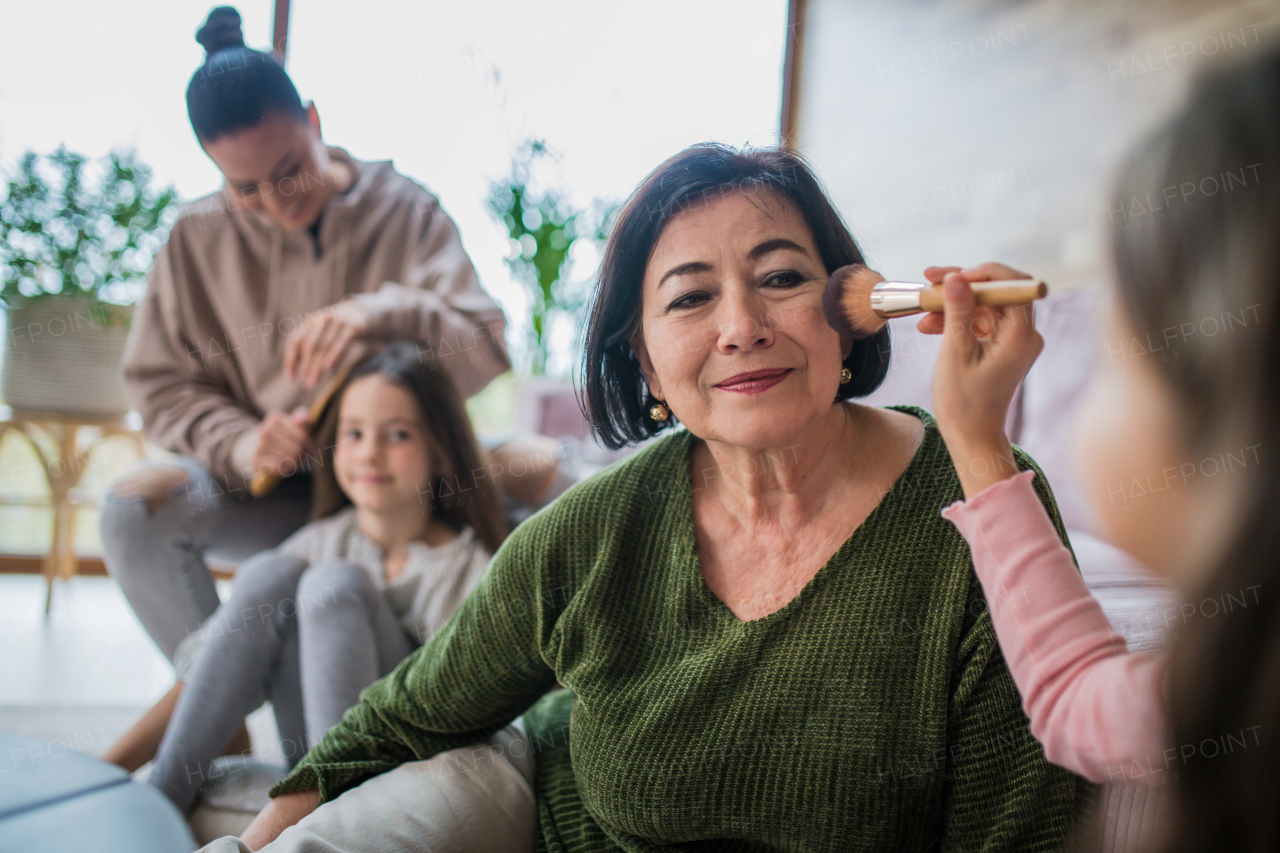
(755, 381)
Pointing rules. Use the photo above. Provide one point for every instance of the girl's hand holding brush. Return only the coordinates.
(986, 352)
(991, 341)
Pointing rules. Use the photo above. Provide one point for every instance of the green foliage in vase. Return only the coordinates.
(73, 227)
(543, 226)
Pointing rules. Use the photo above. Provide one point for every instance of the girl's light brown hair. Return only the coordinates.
(1210, 261)
(462, 491)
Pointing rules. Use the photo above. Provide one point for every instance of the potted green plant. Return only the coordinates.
(543, 225)
(76, 241)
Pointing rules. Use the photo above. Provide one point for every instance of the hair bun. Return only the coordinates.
(221, 31)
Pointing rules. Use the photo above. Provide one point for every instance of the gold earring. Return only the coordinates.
(846, 375)
(659, 411)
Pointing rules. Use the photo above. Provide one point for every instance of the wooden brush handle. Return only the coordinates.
(264, 482)
(990, 293)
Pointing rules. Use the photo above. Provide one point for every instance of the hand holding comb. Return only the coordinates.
(264, 481)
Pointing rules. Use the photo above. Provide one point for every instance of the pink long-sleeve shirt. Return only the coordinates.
(1097, 708)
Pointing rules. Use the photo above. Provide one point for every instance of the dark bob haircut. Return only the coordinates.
(614, 396)
(237, 87)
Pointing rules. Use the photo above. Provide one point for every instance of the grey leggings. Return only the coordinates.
(310, 638)
(157, 556)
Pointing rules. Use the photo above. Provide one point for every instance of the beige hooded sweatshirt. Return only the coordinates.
(204, 360)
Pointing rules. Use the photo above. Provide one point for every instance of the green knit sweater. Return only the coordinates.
(872, 712)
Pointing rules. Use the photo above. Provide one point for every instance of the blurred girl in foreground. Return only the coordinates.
(1203, 715)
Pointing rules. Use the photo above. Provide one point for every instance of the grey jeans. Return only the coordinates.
(475, 799)
(158, 556)
(310, 638)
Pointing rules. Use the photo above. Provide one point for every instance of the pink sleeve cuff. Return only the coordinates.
(1006, 494)
(1096, 708)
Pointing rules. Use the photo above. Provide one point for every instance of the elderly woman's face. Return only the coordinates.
(732, 335)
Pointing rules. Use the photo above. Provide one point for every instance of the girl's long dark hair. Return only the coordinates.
(461, 492)
(1209, 265)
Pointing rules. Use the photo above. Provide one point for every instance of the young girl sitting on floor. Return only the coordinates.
(402, 530)
(1202, 715)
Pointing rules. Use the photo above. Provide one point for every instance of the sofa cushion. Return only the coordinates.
(1053, 391)
(234, 797)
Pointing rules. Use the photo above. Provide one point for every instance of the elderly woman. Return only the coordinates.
(772, 640)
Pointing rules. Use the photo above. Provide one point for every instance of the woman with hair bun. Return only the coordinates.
(305, 260)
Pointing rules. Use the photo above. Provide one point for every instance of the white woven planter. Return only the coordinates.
(63, 354)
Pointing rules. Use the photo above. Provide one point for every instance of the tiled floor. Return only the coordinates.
(89, 649)
(83, 674)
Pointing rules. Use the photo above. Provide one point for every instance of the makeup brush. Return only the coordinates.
(858, 301)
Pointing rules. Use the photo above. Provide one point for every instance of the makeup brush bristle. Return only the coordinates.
(847, 301)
